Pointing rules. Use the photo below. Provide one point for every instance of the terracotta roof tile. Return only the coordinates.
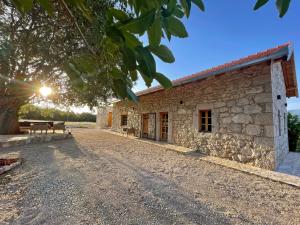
(217, 68)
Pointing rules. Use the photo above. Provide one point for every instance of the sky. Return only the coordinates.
(229, 30)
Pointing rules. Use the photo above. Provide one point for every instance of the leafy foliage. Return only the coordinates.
(125, 22)
(37, 49)
(293, 131)
(33, 112)
(282, 5)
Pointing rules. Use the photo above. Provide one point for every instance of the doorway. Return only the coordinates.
(163, 126)
(109, 119)
(145, 123)
(149, 126)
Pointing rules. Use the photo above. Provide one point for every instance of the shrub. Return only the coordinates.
(33, 112)
(293, 131)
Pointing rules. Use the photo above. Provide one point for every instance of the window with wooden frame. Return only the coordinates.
(205, 124)
(123, 120)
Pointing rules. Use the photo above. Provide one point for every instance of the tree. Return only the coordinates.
(293, 131)
(108, 36)
(37, 49)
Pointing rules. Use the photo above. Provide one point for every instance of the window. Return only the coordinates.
(123, 120)
(279, 123)
(205, 121)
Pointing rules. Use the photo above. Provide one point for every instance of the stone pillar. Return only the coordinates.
(170, 127)
(157, 136)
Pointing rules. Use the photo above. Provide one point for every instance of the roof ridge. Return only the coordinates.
(253, 56)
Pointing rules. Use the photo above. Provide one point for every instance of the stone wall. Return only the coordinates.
(102, 116)
(242, 120)
(280, 131)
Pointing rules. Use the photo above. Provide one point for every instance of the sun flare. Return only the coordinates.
(45, 91)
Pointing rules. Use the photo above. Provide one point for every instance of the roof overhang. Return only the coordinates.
(289, 73)
(284, 52)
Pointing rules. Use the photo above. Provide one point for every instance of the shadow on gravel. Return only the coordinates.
(172, 197)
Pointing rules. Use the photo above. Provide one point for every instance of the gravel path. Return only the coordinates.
(100, 178)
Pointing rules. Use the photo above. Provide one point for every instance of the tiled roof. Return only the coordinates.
(220, 69)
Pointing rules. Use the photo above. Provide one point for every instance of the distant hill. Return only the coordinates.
(295, 112)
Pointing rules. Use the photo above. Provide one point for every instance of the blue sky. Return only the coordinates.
(228, 30)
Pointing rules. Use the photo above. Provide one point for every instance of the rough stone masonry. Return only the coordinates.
(248, 114)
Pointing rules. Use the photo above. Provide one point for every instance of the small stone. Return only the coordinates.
(236, 109)
(253, 130)
(264, 119)
(249, 109)
(263, 98)
(269, 131)
(181, 111)
(255, 90)
(264, 141)
(242, 118)
(243, 101)
(219, 104)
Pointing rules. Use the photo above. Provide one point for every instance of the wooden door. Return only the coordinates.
(109, 119)
(145, 125)
(164, 126)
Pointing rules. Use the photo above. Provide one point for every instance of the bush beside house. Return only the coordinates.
(294, 132)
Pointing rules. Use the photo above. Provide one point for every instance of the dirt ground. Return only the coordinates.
(101, 178)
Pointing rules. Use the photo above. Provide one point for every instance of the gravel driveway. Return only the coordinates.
(101, 178)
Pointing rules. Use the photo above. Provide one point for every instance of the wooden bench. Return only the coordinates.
(59, 126)
(42, 127)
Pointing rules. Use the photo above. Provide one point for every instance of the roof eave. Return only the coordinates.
(285, 51)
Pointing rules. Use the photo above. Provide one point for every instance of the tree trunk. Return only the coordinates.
(9, 121)
(8, 117)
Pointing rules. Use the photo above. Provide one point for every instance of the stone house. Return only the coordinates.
(237, 110)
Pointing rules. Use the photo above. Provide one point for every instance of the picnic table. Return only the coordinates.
(41, 125)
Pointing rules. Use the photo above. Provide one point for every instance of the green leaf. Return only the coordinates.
(133, 75)
(47, 5)
(148, 80)
(165, 26)
(163, 80)
(146, 61)
(82, 6)
(118, 14)
(120, 87)
(140, 24)
(115, 35)
(85, 64)
(131, 40)
(282, 6)
(129, 58)
(117, 74)
(176, 27)
(259, 4)
(163, 52)
(131, 95)
(200, 4)
(178, 12)
(186, 5)
(171, 7)
(73, 68)
(155, 32)
(23, 5)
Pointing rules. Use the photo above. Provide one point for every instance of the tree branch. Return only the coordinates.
(77, 27)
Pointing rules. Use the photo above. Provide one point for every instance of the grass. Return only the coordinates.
(81, 124)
